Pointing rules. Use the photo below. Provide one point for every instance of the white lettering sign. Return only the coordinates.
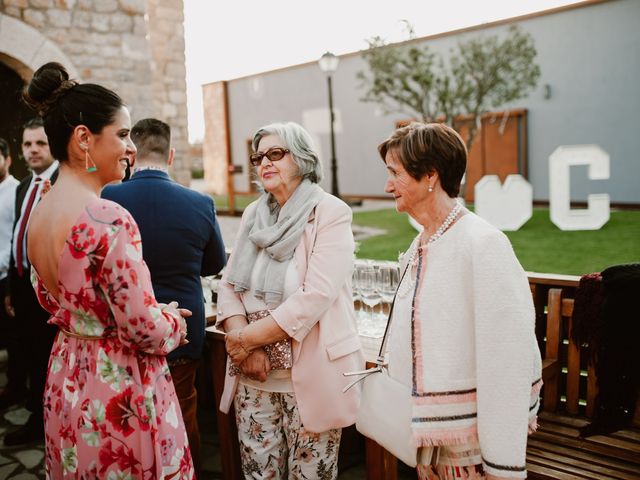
(598, 209)
(507, 206)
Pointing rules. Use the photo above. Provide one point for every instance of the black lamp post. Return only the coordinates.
(328, 64)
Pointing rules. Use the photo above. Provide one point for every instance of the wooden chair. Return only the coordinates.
(556, 450)
(559, 324)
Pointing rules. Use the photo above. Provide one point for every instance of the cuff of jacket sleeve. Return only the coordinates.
(226, 312)
(504, 470)
(290, 323)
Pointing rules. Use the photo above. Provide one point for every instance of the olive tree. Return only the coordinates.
(480, 74)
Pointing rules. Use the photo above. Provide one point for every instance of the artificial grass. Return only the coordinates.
(241, 201)
(539, 244)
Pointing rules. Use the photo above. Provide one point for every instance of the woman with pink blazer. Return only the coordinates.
(286, 304)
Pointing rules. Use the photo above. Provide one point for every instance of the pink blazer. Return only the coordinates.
(320, 320)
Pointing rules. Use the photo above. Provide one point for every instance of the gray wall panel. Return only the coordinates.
(587, 55)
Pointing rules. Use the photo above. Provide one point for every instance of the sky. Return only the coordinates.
(230, 39)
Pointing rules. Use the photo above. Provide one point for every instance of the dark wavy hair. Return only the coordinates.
(64, 104)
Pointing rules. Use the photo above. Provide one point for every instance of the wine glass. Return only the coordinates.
(387, 283)
(369, 296)
(355, 282)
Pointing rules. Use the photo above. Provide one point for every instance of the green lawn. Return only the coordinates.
(539, 244)
(241, 201)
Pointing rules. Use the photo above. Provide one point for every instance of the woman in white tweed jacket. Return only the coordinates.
(462, 334)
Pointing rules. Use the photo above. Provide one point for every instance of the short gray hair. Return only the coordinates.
(299, 143)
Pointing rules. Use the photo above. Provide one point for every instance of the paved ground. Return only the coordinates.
(26, 462)
(19, 463)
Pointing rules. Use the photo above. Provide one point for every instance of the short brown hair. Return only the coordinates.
(151, 137)
(426, 147)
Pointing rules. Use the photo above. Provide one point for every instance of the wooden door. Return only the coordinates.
(499, 148)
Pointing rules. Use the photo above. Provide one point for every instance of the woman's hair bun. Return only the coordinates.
(49, 83)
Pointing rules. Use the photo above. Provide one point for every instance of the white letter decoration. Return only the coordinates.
(560, 161)
(507, 206)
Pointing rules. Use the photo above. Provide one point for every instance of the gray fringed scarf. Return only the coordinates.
(278, 231)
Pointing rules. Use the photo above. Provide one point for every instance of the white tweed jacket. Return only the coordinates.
(476, 370)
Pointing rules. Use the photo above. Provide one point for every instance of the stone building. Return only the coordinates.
(135, 47)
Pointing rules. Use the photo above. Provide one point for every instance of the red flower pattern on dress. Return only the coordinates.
(81, 238)
(148, 299)
(119, 455)
(96, 257)
(120, 412)
(185, 462)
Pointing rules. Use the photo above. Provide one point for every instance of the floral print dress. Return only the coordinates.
(111, 410)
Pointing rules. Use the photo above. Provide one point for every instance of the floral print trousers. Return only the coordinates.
(275, 445)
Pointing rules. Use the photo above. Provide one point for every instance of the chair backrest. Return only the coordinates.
(575, 387)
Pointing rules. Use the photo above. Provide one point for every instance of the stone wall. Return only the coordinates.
(166, 42)
(135, 47)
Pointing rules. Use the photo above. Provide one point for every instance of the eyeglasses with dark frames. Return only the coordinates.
(273, 154)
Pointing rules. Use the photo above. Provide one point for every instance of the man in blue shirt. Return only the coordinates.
(181, 241)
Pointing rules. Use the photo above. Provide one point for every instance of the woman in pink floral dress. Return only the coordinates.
(111, 411)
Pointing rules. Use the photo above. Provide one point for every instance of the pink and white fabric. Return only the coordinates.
(110, 407)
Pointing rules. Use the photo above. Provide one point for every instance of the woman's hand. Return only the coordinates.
(256, 366)
(183, 326)
(236, 348)
(181, 313)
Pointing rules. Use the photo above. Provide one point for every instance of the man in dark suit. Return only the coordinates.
(181, 241)
(30, 337)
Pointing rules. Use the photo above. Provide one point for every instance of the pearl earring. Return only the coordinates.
(430, 189)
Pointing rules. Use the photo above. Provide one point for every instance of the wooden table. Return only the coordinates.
(227, 431)
(380, 464)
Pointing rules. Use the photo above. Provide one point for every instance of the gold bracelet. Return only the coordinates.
(242, 342)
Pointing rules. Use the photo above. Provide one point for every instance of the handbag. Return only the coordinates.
(385, 408)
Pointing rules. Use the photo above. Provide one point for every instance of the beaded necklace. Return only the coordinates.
(407, 286)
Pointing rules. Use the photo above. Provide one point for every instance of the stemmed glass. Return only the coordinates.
(355, 280)
(369, 296)
(387, 283)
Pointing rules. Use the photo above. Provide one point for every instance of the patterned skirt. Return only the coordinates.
(450, 462)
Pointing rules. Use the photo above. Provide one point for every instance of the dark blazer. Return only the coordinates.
(181, 241)
(21, 193)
